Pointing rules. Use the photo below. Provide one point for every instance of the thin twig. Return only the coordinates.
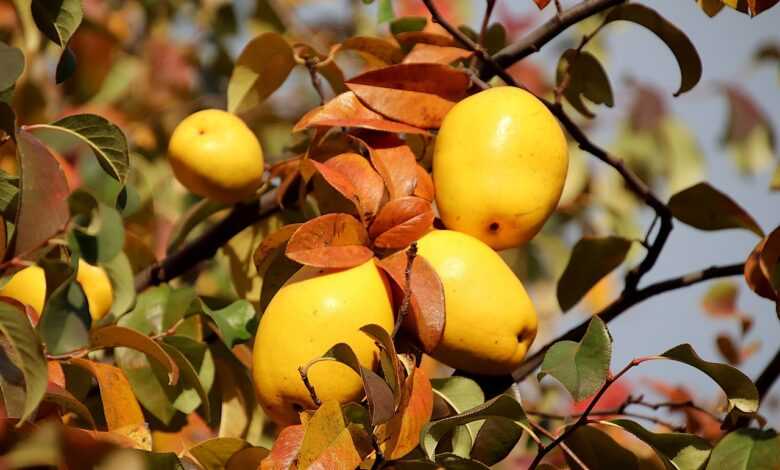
(768, 376)
(623, 303)
(536, 39)
(316, 82)
(411, 253)
(206, 245)
(303, 371)
(583, 419)
(564, 447)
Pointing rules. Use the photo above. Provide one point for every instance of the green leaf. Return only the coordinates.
(262, 67)
(98, 233)
(378, 393)
(684, 51)
(591, 260)
(106, 140)
(460, 394)
(408, 24)
(43, 208)
(495, 440)
(197, 370)
(11, 65)
(740, 390)
(677, 450)
(746, 449)
(581, 367)
(579, 74)
(502, 406)
(456, 462)
(57, 19)
(214, 454)
(704, 207)
(113, 336)
(385, 11)
(233, 321)
(120, 273)
(597, 449)
(25, 352)
(64, 324)
(66, 66)
(495, 38)
(9, 195)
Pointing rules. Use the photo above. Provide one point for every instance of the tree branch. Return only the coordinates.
(623, 303)
(206, 245)
(768, 376)
(537, 38)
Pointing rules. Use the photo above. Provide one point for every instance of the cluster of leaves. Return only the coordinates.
(167, 369)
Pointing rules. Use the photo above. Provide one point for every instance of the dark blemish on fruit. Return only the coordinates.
(201, 131)
(297, 407)
(494, 227)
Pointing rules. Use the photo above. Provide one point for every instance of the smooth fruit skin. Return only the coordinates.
(97, 287)
(215, 155)
(28, 286)
(490, 321)
(499, 166)
(313, 311)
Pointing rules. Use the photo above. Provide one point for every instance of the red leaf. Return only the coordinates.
(402, 434)
(43, 207)
(429, 54)
(346, 110)
(417, 94)
(425, 318)
(542, 3)
(424, 187)
(285, 449)
(401, 222)
(397, 166)
(330, 241)
(369, 188)
(728, 349)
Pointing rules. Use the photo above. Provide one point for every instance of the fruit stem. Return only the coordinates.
(305, 377)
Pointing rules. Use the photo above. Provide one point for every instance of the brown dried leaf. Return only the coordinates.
(424, 187)
(330, 241)
(430, 54)
(417, 94)
(728, 349)
(401, 222)
(425, 318)
(285, 449)
(755, 277)
(336, 179)
(270, 245)
(402, 434)
(345, 110)
(769, 259)
(368, 185)
(114, 336)
(397, 166)
(721, 299)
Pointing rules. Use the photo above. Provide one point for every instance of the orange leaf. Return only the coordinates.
(424, 187)
(381, 49)
(56, 374)
(769, 259)
(120, 407)
(345, 110)
(330, 241)
(755, 277)
(368, 185)
(433, 36)
(285, 449)
(430, 54)
(402, 434)
(397, 166)
(336, 179)
(417, 94)
(425, 318)
(401, 222)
